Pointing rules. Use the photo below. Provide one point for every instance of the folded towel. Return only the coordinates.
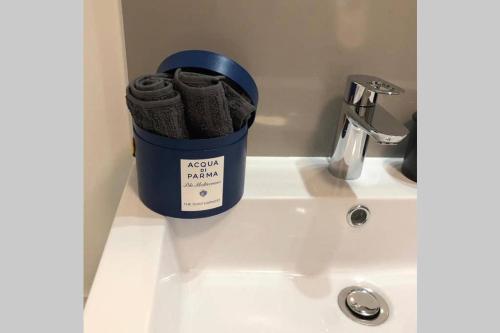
(156, 106)
(240, 108)
(207, 110)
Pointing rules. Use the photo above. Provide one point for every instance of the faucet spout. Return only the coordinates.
(360, 118)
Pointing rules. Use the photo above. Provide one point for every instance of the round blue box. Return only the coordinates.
(194, 178)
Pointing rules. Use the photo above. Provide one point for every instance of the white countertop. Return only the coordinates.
(292, 177)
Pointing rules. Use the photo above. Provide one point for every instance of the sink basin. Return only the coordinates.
(276, 262)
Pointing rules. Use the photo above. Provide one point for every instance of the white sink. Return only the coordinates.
(274, 263)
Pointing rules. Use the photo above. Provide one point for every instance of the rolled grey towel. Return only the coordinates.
(207, 110)
(240, 108)
(156, 106)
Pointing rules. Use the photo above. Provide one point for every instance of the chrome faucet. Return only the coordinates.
(360, 116)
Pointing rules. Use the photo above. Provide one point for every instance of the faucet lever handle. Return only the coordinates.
(362, 90)
(380, 124)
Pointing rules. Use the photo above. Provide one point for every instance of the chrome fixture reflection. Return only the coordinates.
(363, 305)
(360, 116)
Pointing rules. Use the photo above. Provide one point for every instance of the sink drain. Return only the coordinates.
(358, 215)
(363, 305)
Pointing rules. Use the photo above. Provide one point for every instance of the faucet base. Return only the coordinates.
(350, 147)
(342, 171)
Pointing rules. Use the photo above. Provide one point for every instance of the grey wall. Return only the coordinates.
(299, 53)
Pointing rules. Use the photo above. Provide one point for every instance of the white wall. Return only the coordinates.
(107, 142)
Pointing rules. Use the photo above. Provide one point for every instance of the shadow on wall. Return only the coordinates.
(300, 62)
(327, 127)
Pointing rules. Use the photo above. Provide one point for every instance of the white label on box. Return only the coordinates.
(202, 183)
